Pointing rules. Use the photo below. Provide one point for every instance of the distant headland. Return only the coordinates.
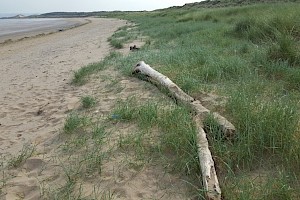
(59, 15)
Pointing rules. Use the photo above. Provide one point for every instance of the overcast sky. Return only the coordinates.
(43, 6)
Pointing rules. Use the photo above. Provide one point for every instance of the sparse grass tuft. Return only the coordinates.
(125, 110)
(179, 140)
(81, 74)
(74, 123)
(24, 154)
(98, 133)
(116, 43)
(80, 158)
(88, 101)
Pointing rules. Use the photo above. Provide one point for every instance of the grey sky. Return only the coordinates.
(42, 6)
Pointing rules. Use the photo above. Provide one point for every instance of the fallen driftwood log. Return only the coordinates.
(227, 128)
(209, 176)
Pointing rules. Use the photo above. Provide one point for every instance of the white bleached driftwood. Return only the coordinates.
(227, 127)
(210, 179)
(207, 165)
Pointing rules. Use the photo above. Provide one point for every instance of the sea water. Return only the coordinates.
(19, 26)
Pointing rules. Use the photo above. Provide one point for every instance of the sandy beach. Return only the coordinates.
(35, 75)
(36, 97)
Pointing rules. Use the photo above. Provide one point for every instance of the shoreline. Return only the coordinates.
(71, 23)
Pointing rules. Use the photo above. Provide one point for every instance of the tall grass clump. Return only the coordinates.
(281, 31)
(179, 139)
(267, 126)
(265, 186)
(285, 49)
(116, 43)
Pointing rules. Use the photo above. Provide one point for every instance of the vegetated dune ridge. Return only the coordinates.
(36, 98)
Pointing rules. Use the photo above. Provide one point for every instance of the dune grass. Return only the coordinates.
(121, 36)
(80, 76)
(174, 148)
(17, 160)
(249, 54)
(88, 102)
(80, 157)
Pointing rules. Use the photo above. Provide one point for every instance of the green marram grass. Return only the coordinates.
(75, 123)
(81, 76)
(88, 102)
(21, 157)
(174, 147)
(80, 158)
(122, 36)
(250, 54)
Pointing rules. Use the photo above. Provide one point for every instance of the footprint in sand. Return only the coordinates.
(21, 188)
(32, 164)
(3, 114)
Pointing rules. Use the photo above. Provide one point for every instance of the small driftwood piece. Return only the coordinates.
(210, 179)
(134, 48)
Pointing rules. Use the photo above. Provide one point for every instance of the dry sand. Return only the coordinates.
(35, 98)
(35, 75)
